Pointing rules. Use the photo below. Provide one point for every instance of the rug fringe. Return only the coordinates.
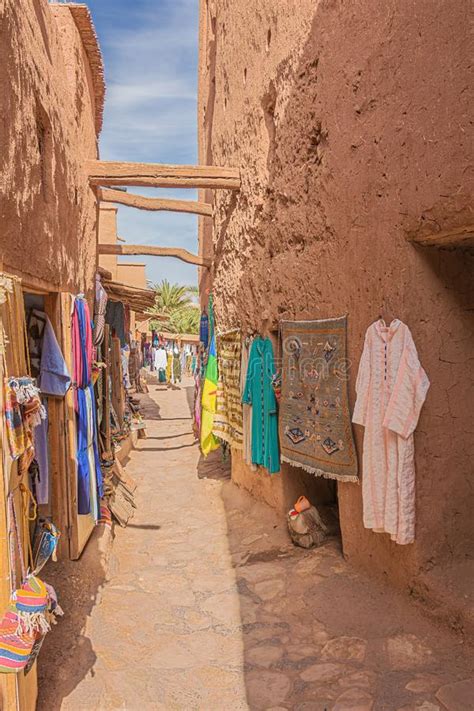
(319, 472)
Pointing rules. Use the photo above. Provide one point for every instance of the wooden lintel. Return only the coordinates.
(110, 173)
(456, 237)
(147, 203)
(183, 254)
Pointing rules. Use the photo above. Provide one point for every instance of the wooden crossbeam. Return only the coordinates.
(183, 254)
(457, 237)
(109, 173)
(147, 203)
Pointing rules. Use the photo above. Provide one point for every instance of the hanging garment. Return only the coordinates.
(100, 308)
(391, 389)
(209, 441)
(41, 483)
(176, 367)
(246, 408)
(54, 378)
(124, 357)
(169, 367)
(115, 317)
(259, 393)
(228, 417)
(204, 330)
(315, 421)
(88, 464)
(161, 359)
(18, 438)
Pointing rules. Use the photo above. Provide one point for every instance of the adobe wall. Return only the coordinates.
(132, 273)
(350, 122)
(47, 130)
(107, 234)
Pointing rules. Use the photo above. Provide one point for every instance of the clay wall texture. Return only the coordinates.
(351, 125)
(47, 130)
(132, 273)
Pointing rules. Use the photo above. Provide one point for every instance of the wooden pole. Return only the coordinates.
(457, 237)
(177, 252)
(154, 204)
(162, 176)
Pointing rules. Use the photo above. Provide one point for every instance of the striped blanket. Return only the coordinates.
(228, 417)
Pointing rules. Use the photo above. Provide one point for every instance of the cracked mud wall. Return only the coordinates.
(350, 123)
(48, 213)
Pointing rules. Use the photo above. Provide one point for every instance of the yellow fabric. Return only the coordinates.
(208, 441)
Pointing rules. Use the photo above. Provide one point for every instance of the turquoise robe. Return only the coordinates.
(259, 393)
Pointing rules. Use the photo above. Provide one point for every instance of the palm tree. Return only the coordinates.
(177, 304)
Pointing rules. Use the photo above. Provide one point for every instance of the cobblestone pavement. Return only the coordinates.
(208, 606)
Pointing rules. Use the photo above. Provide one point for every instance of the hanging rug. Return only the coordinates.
(228, 423)
(315, 423)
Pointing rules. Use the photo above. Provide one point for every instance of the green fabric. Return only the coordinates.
(259, 393)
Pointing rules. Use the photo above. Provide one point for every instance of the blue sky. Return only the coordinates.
(150, 50)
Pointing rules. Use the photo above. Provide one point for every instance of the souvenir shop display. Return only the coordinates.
(315, 424)
(391, 388)
(242, 401)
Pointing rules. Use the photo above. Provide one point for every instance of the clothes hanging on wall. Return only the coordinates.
(204, 329)
(391, 389)
(176, 366)
(208, 393)
(88, 464)
(115, 317)
(246, 407)
(100, 309)
(259, 393)
(169, 367)
(315, 421)
(41, 479)
(54, 378)
(228, 418)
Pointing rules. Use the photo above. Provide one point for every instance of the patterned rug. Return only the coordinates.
(228, 417)
(315, 424)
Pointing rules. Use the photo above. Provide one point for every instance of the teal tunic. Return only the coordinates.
(258, 392)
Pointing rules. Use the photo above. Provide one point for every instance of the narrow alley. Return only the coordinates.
(207, 605)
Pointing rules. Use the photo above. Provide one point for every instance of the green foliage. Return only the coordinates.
(177, 304)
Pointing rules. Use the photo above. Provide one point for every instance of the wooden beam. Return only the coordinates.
(183, 254)
(156, 175)
(156, 204)
(457, 237)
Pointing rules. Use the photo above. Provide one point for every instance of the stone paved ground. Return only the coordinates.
(208, 607)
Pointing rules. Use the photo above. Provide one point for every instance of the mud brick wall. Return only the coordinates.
(350, 123)
(47, 130)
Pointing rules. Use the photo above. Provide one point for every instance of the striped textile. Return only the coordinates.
(23, 622)
(15, 648)
(228, 423)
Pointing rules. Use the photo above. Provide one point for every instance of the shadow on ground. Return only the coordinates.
(62, 665)
(318, 635)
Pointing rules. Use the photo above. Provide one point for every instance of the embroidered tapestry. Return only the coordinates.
(315, 424)
(228, 418)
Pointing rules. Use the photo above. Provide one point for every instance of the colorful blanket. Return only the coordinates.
(228, 418)
(315, 424)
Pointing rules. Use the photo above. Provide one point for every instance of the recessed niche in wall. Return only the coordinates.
(245, 76)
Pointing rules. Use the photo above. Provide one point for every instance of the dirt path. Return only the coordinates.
(208, 607)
